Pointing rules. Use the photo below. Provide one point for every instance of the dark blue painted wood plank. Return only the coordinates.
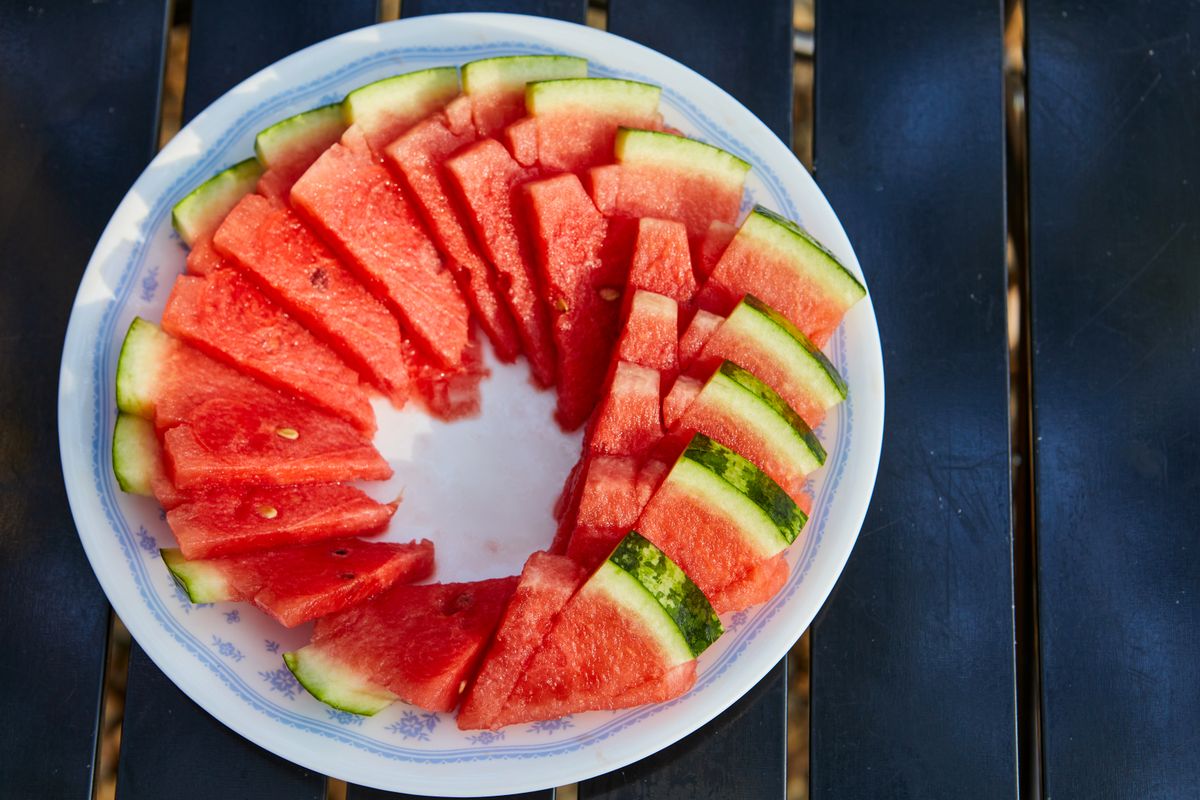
(229, 41)
(233, 39)
(569, 10)
(1114, 103)
(745, 48)
(748, 52)
(913, 667)
(78, 124)
(363, 793)
(740, 754)
(171, 748)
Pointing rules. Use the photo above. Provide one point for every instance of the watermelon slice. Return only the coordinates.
(573, 122)
(287, 148)
(383, 110)
(416, 156)
(352, 201)
(297, 584)
(547, 583)
(418, 644)
(649, 334)
(744, 414)
(271, 245)
(580, 287)
(225, 521)
(609, 507)
(227, 317)
(671, 177)
(628, 420)
(712, 246)
(761, 340)
(629, 636)
(661, 260)
(780, 263)
(718, 516)
(137, 458)
(496, 86)
(486, 176)
(197, 215)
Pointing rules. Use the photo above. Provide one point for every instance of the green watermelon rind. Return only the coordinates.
(136, 454)
(770, 413)
(805, 360)
(413, 94)
(803, 253)
(143, 352)
(202, 580)
(274, 144)
(513, 72)
(641, 610)
(749, 481)
(335, 683)
(669, 150)
(633, 97)
(679, 597)
(201, 211)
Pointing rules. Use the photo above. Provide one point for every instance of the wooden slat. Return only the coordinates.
(171, 748)
(1114, 102)
(748, 52)
(363, 793)
(232, 39)
(569, 10)
(913, 667)
(77, 124)
(217, 60)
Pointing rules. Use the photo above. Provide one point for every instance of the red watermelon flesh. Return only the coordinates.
(648, 337)
(270, 243)
(228, 317)
(485, 176)
(628, 420)
(547, 583)
(229, 520)
(297, 584)
(278, 442)
(573, 139)
(420, 642)
(608, 509)
(644, 190)
(759, 585)
(661, 261)
(703, 324)
(449, 394)
(203, 257)
(712, 246)
(679, 398)
(580, 287)
(417, 156)
(594, 659)
(353, 202)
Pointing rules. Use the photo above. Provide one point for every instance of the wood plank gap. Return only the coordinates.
(336, 789)
(112, 710)
(597, 14)
(1028, 669)
(170, 115)
(389, 10)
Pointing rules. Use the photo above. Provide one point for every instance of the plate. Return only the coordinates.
(481, 489)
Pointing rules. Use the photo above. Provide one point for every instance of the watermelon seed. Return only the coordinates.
(341, 551)
(268, 512)
(560, 304)
(610, 294)
(347, 576)
(288, 433)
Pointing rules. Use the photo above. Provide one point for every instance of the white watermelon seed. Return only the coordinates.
(288, 433)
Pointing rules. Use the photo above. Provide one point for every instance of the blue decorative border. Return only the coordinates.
(744, 629)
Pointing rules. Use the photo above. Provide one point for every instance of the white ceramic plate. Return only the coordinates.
(482, 489)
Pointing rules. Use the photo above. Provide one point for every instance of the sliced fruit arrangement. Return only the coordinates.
(298, 584)
(779, 262)
(555, 211)
(419, 644)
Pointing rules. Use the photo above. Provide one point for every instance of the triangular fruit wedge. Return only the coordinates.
(547, 583)
(718, 516)
(496, 86)
(297, 584)
(784, 266)
(671, 177)
(760, 339)
(231, 520)
(419, 644)
(628, 420)
(661, 261)
(383, 110)
(200, 213)
(743, 413)
(226, 316)
(615, 490)
(273, 247)
(629, 636)
(650, 333)
(290, 146)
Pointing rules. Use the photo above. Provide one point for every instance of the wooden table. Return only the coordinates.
(917, 688)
